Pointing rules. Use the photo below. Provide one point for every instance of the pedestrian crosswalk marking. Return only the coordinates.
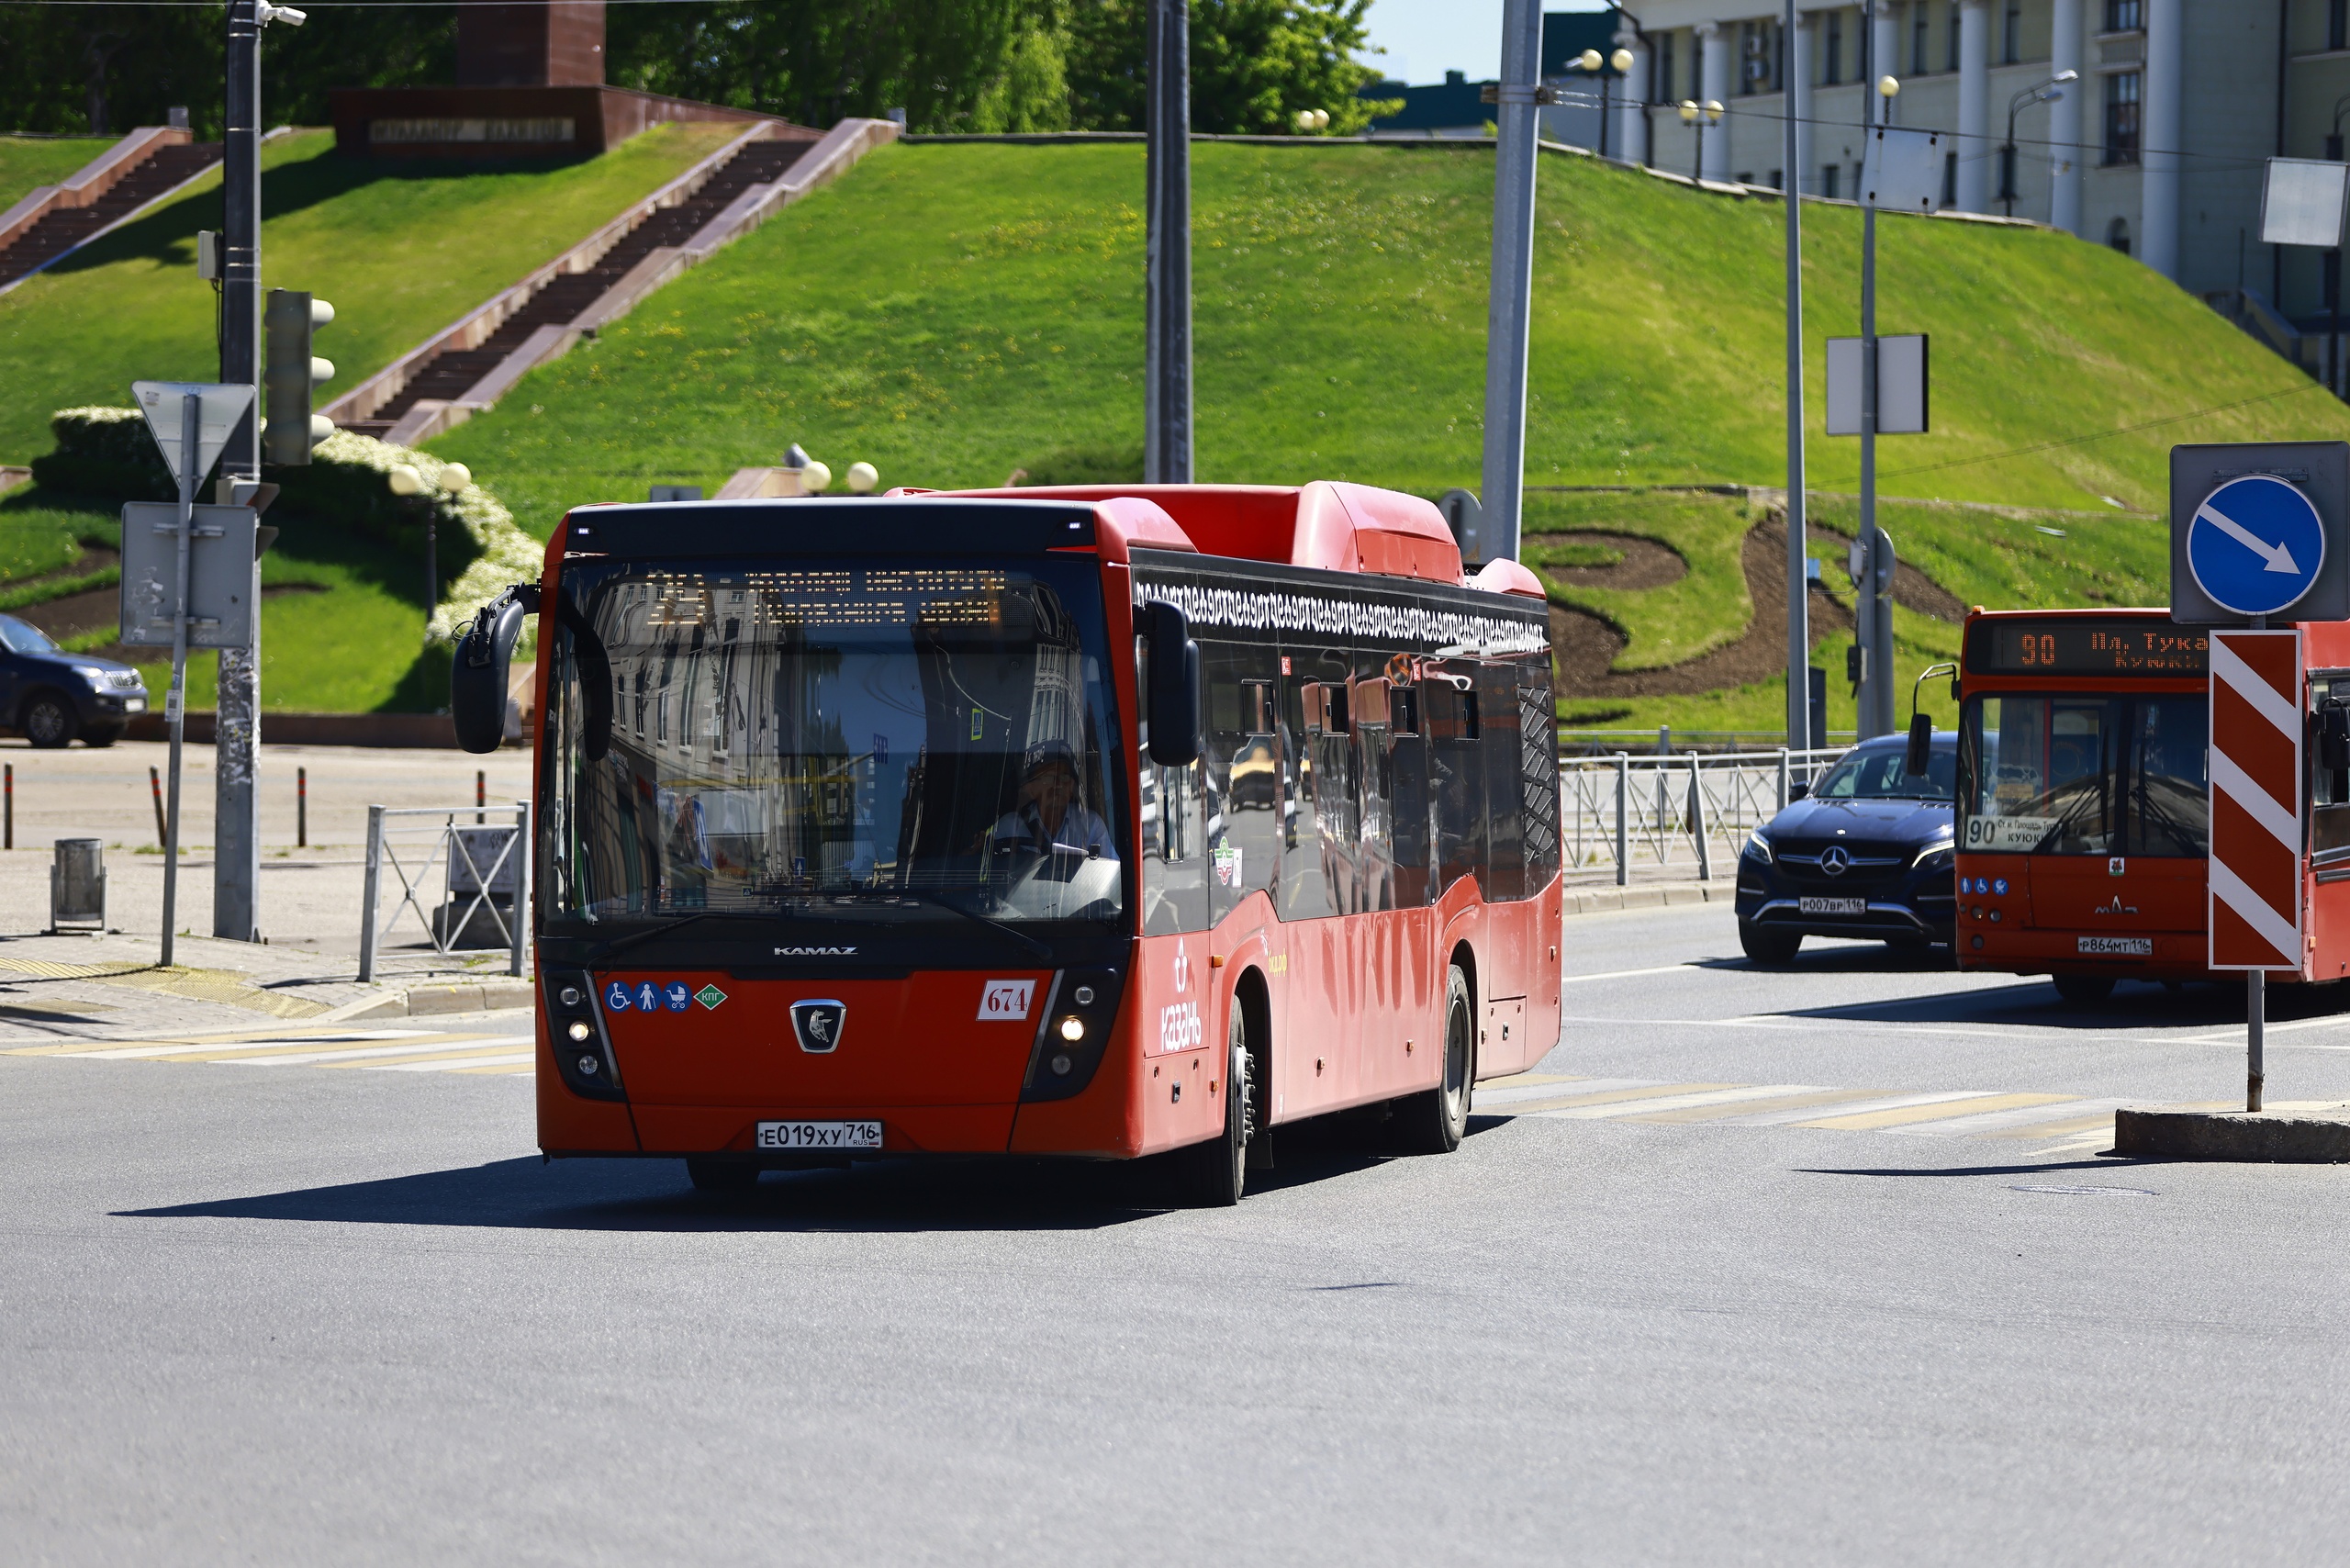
(2075, 1122)
(474, 1051)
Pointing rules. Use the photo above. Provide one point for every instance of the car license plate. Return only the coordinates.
(2121, 946)
(1833, 906)
(819, 1135)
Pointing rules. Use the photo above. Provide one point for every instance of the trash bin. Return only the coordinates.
(77, 886)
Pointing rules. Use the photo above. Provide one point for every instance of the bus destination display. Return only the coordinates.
(2079, 646)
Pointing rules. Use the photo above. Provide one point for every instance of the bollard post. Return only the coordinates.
(8, 809)
(155, 787)
(481, 796)
(1623, 819)
(301, 808)
(518, 917)
(1786, 780)
(374, 883)
(1697, 822)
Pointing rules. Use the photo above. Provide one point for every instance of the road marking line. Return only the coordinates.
(1497, 1099)
(2101, 1123)
(1625, 974)
(440, 1050)
(1629, 1091)
(1635, 1110)
(1871, 1121)
(1879, 1103)
(2028, 1121)
(302, 1056)
(437, 1064)
(1517, 1078)
(103, 1051)
(1805, 1099)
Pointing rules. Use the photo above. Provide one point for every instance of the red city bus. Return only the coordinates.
(2083, 803)
(1103, 822)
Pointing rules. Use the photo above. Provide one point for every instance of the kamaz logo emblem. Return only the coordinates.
(815, 952)
(2116, 907)
(819, 1026)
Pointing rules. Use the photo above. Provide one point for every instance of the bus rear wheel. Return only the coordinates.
(2082, 991)
(714, 1175)
(1435, 1121)
(1212, 1174)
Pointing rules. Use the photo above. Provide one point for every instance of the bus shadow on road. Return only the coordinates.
(947, 1193)
(2132, 1006)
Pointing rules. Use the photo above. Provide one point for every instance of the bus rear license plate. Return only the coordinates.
(2118, 946)
(819, 1135)
(1833, 906)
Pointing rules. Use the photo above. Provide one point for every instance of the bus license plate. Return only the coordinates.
(2119, 946)
(819, 1135)
(1833, 906)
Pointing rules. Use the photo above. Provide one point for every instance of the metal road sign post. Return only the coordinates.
(2256, 534)
(1509, 302)
(2253, 909)
(1167, 265)
(1798, 584)
(190, 422)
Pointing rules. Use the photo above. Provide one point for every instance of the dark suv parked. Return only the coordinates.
(1866, 853)
(48, 695)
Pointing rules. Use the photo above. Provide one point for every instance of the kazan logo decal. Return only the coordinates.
(819, 1024)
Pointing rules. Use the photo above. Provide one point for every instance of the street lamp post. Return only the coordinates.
(2333, 268)
(2046, 91)
(1592, 63)
(1873, 615)
(1699, 116)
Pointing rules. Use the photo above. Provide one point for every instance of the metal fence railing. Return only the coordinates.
(1622, 809)
(472, 862)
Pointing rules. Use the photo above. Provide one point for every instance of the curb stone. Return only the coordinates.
(2247, 1136)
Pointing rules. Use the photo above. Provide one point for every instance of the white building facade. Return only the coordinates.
(2157, 148)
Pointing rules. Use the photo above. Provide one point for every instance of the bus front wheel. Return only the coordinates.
(1434, 1121)
(1213, 1173)
(2082, 991)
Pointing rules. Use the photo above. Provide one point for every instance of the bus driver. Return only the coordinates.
(1048, 817)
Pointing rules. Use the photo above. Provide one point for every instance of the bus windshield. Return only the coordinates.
(2092, 774)
(863, 740)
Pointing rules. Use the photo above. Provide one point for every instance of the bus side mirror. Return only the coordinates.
(479, 679)
(1921, 755)
(1174, 695)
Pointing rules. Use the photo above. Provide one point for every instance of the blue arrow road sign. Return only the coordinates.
(2255, 545)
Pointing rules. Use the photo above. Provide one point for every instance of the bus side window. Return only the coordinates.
(1411, 816)
(1456, 779)
(1244, 772)
(1316, 826)
(1503, 876)
(1174, 835)
(2329, 744)
(1374, 796)
(1539, 770)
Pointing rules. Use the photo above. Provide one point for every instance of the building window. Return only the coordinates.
(1665, 68)
(1830, 174)
(2122, 91)
(1949, 179)
(2011, 34)
(2117, 234)
(2337, 24)
(2124, 16)
(1778, 179)
(1956, 29)
(1833, 59)
(1918, 31)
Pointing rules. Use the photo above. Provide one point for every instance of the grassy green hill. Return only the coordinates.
(29, 160)
(953, 312)
(402, 250)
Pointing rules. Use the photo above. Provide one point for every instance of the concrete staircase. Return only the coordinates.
(470, 364)
(56, 220)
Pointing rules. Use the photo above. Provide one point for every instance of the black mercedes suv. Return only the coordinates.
(1866, 853)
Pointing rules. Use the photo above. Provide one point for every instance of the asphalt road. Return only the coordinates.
(1659, 1314)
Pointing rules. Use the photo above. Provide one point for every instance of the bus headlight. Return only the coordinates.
(1072, 1029)
(581, 1031)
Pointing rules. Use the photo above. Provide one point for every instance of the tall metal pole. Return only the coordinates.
(1167, 374)
(1509, 304)
(176, 699)
(1876, 680)
(236, 876)
(1799, 586)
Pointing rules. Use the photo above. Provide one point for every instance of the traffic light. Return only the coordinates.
(290, 374)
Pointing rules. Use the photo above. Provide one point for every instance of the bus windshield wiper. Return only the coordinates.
(622, 943)
(998, 926)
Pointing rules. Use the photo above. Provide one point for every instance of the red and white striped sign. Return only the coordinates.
(2253, 911)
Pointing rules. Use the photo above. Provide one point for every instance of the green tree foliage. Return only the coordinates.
(103, 69)
(950, 64)
(1255, 63)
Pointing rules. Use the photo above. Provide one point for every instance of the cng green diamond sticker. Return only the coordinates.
(710, 996)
